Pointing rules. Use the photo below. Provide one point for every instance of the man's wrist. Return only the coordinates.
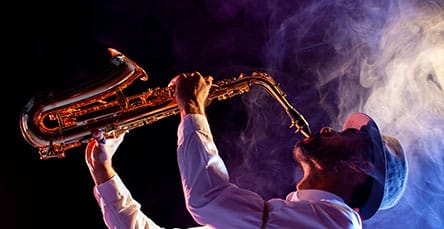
(102, 174)
(191, 109)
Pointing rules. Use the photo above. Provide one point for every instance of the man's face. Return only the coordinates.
(330, 149)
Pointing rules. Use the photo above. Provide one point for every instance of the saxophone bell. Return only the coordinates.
(63, 120)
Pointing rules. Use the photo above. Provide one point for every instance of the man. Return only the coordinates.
(348, 175)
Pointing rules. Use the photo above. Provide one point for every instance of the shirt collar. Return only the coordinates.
(313, 195)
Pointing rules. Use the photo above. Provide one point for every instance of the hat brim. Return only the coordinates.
(365, 123)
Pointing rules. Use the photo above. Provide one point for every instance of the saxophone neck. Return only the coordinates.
(298, 121)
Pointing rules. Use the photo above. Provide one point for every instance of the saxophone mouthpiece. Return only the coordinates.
(305, 131)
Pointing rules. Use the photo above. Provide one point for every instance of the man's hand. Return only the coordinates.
(191, 92)
(98, 156)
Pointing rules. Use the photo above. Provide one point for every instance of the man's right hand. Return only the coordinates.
(192, 91)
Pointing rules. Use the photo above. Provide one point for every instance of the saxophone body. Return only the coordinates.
(54, 126)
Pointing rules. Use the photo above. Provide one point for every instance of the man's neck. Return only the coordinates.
(341, 183)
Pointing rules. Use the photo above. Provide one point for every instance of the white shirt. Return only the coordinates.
(216, 203)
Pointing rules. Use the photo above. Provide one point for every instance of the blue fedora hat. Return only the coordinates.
(388, 166)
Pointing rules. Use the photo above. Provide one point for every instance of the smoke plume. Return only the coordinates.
(333, 58)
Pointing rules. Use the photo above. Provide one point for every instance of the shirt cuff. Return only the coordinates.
(111, 190)
(190, 124)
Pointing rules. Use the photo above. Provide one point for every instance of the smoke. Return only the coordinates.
(407, 98)
(333, 58)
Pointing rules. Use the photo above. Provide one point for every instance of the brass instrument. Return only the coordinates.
(56, 126)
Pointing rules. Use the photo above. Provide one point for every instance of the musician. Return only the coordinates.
(348, 175)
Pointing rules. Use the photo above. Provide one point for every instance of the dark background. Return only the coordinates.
(64, 45)
(313, 49)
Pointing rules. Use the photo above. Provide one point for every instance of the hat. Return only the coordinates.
(389, 166)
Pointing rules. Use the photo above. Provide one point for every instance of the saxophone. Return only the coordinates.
(54, 127)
